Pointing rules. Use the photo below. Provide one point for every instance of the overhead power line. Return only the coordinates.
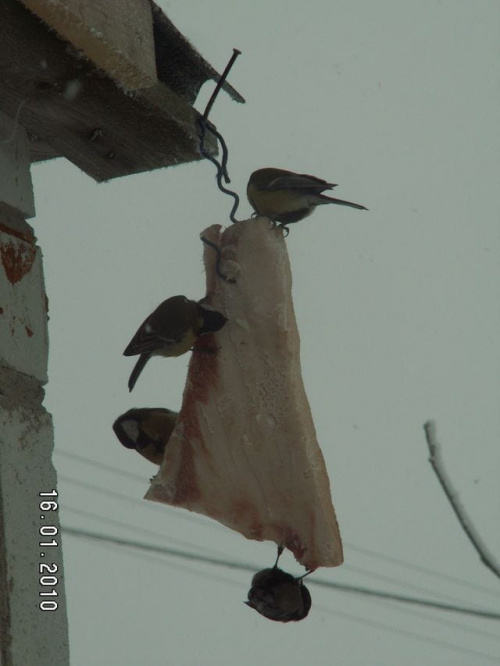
(355, 589)
(185, 544)
(441, 575)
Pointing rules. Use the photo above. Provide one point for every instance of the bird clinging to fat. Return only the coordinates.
(171, 330)
(147, 430)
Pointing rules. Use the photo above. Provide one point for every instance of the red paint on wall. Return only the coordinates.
(17, 260)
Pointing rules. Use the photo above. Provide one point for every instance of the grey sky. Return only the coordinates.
(398, 310)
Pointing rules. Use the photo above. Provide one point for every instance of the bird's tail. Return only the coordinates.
(323, 199)
(138, 368)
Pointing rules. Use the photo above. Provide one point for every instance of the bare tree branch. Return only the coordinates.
(437, 465)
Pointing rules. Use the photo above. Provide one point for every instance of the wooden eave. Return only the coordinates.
(72, 108)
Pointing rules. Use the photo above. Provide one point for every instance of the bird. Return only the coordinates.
(279, 596)
(171, 330)
(285, 197)
(147, 430)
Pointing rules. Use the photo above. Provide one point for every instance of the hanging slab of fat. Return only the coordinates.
(244, 450)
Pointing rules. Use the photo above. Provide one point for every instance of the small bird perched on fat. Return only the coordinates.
(171, 330)
(286, 197)
(147, 430)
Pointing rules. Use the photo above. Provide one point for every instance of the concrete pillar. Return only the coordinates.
(33, 621)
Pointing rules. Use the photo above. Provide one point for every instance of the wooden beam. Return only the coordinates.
(116, 35)
(64, 101)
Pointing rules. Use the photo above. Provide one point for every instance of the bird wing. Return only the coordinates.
(149, 339)
(299, 181)
(148, 343)
(165, 327)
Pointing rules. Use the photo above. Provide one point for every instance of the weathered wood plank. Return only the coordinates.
(116, 35)
(64, 101)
